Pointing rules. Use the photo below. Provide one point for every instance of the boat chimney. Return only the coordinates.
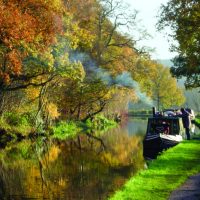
(154, 111)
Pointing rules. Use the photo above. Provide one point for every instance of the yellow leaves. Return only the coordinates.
(80, 71)
(78, 37)
(86, 38)
(52, 111)
(56, 5)
(32, 93)
(127, 93)
(109, 94)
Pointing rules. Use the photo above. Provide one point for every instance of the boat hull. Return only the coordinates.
(154, 144)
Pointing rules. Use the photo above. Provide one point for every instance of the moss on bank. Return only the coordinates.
(164, 174)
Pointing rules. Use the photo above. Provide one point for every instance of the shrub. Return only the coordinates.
(15, 119)
(64, 130)
(16, 123)
(100, 122)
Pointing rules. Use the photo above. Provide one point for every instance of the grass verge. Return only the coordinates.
(164, 174)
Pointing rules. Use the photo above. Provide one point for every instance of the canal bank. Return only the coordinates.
(165, 174)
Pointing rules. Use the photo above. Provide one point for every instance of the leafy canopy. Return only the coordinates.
(183, 17)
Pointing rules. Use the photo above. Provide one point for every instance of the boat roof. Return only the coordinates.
(164, 117)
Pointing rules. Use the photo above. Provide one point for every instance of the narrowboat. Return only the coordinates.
(163, 132)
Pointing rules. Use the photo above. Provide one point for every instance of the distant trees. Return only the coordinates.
(82, 100)
(166, 94)
(193, 97)
(157, 82)
(182, 16)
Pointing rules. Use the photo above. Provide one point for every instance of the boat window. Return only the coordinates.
(159, 126)
(168, 125)
(176, 127)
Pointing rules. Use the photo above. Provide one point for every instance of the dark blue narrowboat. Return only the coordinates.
(163, 132)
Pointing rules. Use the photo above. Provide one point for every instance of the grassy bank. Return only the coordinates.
(63, 130)
(164, 174)
(140, 113)
(13, 127)
(197, 122)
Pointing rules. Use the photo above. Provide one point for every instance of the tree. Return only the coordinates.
(182, 16)
(104, 20)
(165, 91)
(193, 97)
(24, 27)
(81, 100)
(157, 82)
(109, 47)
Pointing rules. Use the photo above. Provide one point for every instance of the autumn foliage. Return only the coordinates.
(60, 59)
(23, 24)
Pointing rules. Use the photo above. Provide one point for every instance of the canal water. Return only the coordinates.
(91, 166)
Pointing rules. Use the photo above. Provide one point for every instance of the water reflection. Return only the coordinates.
(137, 126)
(91, 166)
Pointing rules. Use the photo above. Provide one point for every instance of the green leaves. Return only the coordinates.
(183, 17)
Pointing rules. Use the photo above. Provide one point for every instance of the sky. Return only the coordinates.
(148, 10)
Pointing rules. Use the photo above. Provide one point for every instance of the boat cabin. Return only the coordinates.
(170, 125)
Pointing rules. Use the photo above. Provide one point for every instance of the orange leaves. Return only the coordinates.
(33, 23)
(11, 66)
(15, 25)
(25, 20)
(5, 77)
(14, 62)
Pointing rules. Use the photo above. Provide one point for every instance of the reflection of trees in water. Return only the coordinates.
(123, 150)
(26, 176)
(11, 175)
(86, 167)
(2, 182)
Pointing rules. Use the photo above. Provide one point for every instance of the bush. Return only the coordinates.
(100, 122)
(64, 130)
(16, 123)
(15, 119)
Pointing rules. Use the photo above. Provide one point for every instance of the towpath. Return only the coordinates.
(190, 190)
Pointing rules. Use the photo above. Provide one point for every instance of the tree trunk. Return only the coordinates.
(2, 102)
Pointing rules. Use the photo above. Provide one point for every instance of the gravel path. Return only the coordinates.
(190, 190)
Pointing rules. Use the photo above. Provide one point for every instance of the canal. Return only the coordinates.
(91, 166)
